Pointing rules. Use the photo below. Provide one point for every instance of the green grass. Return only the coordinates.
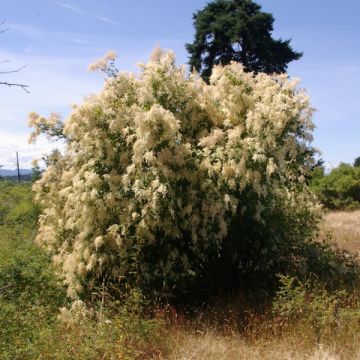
(30, 293)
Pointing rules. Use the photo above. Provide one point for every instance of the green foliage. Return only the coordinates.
(309, 307)
(16, 203)
(106, 329)
(30, 293)
(357, 162)
(285, 247)
(36, 172)
(237, 30)
(254, 253)
(340, 189)
(333, 267)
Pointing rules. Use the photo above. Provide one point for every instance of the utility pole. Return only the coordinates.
(17, 166)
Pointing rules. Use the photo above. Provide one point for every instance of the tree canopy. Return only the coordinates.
(237, 30)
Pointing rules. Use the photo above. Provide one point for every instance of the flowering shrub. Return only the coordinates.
(161, 172)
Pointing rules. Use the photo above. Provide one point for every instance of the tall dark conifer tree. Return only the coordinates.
(237, 30)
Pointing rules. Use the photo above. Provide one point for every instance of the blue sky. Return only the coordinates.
(56, 40)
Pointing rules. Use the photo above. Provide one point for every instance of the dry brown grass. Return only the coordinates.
(210, 345)
(261, 337)
(344, 229)
(262, 344)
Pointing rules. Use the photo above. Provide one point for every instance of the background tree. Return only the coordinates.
(237, 30)
(340, 189)
(357, 162)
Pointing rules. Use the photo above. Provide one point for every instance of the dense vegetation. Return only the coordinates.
(38, 321)
(34, 319)
(176, 186)
(340, 188)
(182, 205)
(30, 295)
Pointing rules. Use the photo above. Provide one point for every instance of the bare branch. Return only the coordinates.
(3, 30)
(12, 71)
(23, 86)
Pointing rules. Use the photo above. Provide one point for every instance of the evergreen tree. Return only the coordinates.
(357, 162)
(237, 30)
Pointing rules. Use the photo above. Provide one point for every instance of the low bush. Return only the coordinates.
(334, 267)
(310, 310)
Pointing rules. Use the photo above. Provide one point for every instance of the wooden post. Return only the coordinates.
(17, 166)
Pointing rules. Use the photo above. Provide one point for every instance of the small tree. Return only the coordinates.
(237, 30)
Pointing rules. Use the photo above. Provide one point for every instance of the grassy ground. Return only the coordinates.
(262, 342)
(29, 293)
(272, 338)
(212, 346)
(303, 324)
(344, 229)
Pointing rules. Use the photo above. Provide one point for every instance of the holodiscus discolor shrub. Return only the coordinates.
(160, 166)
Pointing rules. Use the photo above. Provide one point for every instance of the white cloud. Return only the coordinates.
(83, 12)
(72, 8)
(54, 83)
(105, 19)
(11, 143)
(39, 36)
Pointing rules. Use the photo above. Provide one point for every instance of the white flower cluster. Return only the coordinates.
(102, 63)
(77, 313)
(42, 124)
(164, 154)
